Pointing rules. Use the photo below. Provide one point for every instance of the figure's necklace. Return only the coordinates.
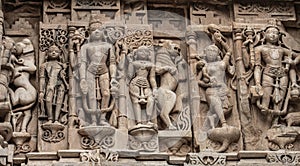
(274, 53)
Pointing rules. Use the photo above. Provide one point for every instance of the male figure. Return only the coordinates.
(95, 74)
(272, 80)
(53, 83)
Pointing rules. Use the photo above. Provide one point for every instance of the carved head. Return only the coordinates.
(142, 53)
(272, 34)
(8, 42)
(94, 23)
(23, 47)
(97, 35)
(53, 53)
(212, 53)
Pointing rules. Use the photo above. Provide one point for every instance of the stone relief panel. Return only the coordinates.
(265, 94)
(215, 75)
(53, 87)
(111, 82)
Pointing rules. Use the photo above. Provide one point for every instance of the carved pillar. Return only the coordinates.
(242, 88)
(191, 41)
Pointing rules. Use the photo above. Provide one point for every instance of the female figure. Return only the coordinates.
(213, 80)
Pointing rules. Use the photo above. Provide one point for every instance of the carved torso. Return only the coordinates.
(271, 55)
(53, 70)
(216, 71)
(97, 54)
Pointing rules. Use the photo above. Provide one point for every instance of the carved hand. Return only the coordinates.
(289, 60)
(41, 97)
(114, 86)
(259, 89)
(83, 86)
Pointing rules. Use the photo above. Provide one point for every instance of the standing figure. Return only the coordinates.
(6, 75)
(95, 75)
(271, 73)
(167, 70)
(53, 84)
(213, 79)
(142, 70)
(25, 94)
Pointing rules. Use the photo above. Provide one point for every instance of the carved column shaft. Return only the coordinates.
(242, 88)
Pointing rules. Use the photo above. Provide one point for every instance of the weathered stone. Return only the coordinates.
(128, 82)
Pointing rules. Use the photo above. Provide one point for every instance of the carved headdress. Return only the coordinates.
(95, 22)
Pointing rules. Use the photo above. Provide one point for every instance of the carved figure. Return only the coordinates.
(25, 94)
(166, 69)
(6, 71)
(292, 118)
(271, 80)
(53, 84)
(143, 81)
(95, 75)
(213, 79)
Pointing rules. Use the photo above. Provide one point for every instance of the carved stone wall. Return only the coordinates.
(117, 82)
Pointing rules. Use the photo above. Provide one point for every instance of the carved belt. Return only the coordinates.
(275, 72)
(97, 69)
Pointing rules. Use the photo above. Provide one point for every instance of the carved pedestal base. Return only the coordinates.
(21, 141)
(225, 135)
(53, 132)
(143, 138)
(175, 142)
(282, 137)
(206, 158)
(97, 137)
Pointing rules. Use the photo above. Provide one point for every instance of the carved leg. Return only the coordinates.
(26, 120)
(59, 101)
(283, 87)
(137, 112)
(150, 104)
(91, 97)
(267, 84)
(104, 85)
(167, 101)
(49, 98)
(105, 91)
(215, 105)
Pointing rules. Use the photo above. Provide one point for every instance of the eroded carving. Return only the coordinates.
(212, 78)
(53, 88)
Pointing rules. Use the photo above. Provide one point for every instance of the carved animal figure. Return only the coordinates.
(292, 118)
(225, 135)
(25, 94)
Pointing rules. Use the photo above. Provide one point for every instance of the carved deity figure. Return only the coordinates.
(24, 96)
(96, 75)
(271, 73)
(142, 71)
(213, 79)
(167, 71)
(53, 84)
